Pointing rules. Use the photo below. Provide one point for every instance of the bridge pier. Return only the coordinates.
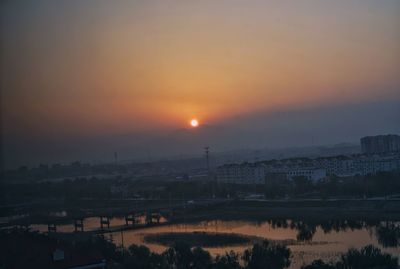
(130, 219)
(149, 219)
(51, 228)
(157, 217)
(78, 225)
(104, 221)
(152, 217)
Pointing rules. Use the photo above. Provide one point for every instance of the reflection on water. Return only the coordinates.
(388, 234)
(312, 239)
(325, 240)
(59, 213)
(90, 224)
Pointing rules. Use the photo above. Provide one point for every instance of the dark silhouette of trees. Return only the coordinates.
(18, 248)
(201, 258)
(305, 231)
(388, 234)
(228, 261)
(319, 264)
(278, 223)
(267, 255)
(368, 257)
(142, 257)
(338, 225)
(181, 256)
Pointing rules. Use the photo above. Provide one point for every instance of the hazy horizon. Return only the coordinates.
(278, 130)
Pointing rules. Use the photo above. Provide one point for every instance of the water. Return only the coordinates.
(326, 245)
(307, 240)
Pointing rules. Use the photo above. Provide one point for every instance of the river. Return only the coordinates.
(307, 240)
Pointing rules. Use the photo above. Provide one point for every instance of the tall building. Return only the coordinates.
(380, 144)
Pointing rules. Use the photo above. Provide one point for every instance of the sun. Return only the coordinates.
(194, 123)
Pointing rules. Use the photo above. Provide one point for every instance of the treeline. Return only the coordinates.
(259, 256)
(386, 232)
(381, 184)
(368, 257)
(65, 189)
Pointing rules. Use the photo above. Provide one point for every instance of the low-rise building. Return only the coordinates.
(245, 173)
(314, 169)
(311, 173)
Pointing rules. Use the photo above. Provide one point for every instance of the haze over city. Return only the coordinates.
(213, 134)
(81, 80)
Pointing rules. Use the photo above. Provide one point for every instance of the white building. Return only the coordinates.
(311, 173)
(344, 166)
(246, 173)
(314, 169)
(256, 173)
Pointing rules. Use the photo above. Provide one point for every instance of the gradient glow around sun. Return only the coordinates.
(194, 123)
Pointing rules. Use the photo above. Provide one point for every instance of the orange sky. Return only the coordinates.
(101, 67)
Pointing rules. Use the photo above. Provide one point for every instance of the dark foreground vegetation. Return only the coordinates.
(22, 249)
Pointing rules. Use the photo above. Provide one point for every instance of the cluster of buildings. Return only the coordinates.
(261, 172)
(377, 157)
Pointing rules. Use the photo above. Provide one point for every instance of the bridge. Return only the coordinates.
(134, 218)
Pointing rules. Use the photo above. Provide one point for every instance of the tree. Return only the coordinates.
(305, 232)
(318, 264)
(388, 234)
(367, 257)
(138, 257)
(267, 255)
(228, 261)
(201, 258)
(142, 257)
(179, 256)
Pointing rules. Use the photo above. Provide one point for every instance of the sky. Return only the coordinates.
(79, 71)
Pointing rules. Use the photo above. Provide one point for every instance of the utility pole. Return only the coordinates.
(116, 157)
(122, 241)
(207, 150)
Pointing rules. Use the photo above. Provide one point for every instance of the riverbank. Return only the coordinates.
(354, 209)
(198, 210)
